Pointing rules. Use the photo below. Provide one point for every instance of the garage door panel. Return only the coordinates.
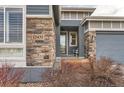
(110, 46)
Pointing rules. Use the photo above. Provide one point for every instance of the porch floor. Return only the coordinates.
(69, 59)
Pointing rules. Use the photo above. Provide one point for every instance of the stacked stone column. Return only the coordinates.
(90, 43)
(40, 42)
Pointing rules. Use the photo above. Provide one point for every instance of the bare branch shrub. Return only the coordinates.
(101, 73)
(10, 77)
(106, 72)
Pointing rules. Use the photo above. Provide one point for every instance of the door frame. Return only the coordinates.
(66, 41)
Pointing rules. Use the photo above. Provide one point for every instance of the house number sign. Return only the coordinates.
(38, 37)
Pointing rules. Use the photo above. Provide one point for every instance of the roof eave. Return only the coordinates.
(102, 18)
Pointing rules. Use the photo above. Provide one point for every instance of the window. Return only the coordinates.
(106, 24)
(73, 15)
(62, 15)
(13, 34)
(1, 25)
(96, 24)
(12, 20)
(37, 9)
(73, 38)
(11, 52)
(80, 15)
(66, 15)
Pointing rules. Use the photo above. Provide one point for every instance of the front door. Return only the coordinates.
(63, 45)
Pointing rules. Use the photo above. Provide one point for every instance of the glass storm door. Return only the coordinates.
(63, 42)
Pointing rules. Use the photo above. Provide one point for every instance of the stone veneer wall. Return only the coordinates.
(90, 43)
(40, 42)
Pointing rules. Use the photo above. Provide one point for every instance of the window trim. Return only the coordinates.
(15, 44)
(70, 39)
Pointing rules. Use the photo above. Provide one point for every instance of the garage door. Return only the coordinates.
(110, 45)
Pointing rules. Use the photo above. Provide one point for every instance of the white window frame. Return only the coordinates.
(23, 24)
(15, 44)
(70, 39)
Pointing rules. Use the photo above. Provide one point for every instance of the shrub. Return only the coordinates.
(105, 72)
(10, 77)
(101, 73)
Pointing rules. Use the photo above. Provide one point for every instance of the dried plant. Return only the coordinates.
(104, 72)
(101, 73)
(9, 77)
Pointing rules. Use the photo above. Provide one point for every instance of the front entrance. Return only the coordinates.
(68, 43)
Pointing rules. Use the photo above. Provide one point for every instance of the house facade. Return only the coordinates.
(40, 35)
(27, 35)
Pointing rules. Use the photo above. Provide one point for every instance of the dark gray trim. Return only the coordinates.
(81, 41)
(74, 25)
(69, 28)
(56, 14)
(70, 22)
(57, 41)
(110, 32)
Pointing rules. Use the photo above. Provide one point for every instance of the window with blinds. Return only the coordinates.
(1, 25)
(11, 32)
(12, 20)
(15, 26)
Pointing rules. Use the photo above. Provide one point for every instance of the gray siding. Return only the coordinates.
(81, 41)
(37, 9)
(32, 74)
(70, 22)
(85, 26)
